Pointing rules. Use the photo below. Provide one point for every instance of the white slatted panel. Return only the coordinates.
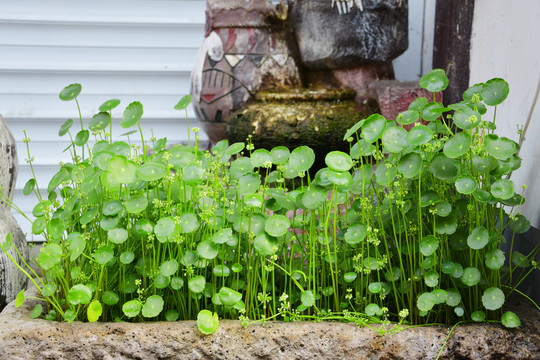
(130, 50)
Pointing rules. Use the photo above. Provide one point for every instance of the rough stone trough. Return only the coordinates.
(23, 338)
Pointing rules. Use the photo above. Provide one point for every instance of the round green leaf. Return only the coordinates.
(277, 225)
(466, 118)
(127, 257)
(394, 139)
(494, 259)
(500, 148)
(458, 145)
(453, 297)
(110, 298)
(38, 226)
(471, 276)
(153, 306)
(386, 173)
(151, 171)
(196, 284)
(122, 170)
(482, 196)
(493, 298)
(169, 267)
(77, 244)
(229, 296)
(222, 236)
(355, 233)
(132, 308)
(207, 250)
(207, 323)
(419, 135)
(432, 111)
(446, 225)
(373, 309)
(248, 184)
(221, 270)
(301, 159)
(264, 245)
(36, 311)
(100, 121)
(70, 92)
(503, 189)
(338, 161)
(339, 178)
(409, 116)
(280, 155)
(350, 276)
(109, 105)
(476, 89)
(189, 222)
(466, 184)
(431, 278)
(440, 296)
(65, 127)
(132, 115)
(183, 102)
(314, 197)
(418, 104)
(434, 81)
(235, 148)
(443, 167)
(510, 320)
(410, 164)
(307, 298)
(350, 132)
(94, 311)
(49, 256)
(177, 283)
(136, 204)
(478, 316)
(495, 91)
(104, 254)
(375, 287)
(443, 208)
(57, 179)
(117, 235)
(426, 301)
(82, 137)
(261, 158)
(429, 245)
(478, 238)
(79, 294)
(373, 128)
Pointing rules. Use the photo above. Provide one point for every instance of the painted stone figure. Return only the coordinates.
(243, 52)
(11, 279)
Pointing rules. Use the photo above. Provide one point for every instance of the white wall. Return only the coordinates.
(506, 43)
(131, 50)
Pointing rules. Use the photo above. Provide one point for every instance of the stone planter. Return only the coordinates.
(23, 338)
(316, 118)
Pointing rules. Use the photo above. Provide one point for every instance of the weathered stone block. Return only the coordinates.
(22, 338)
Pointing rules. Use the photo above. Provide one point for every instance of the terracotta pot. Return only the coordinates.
(244, 51)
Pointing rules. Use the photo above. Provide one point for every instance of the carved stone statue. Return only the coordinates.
(302, 50)
(11, 279)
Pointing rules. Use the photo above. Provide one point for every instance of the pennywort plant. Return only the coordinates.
(406, 227)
